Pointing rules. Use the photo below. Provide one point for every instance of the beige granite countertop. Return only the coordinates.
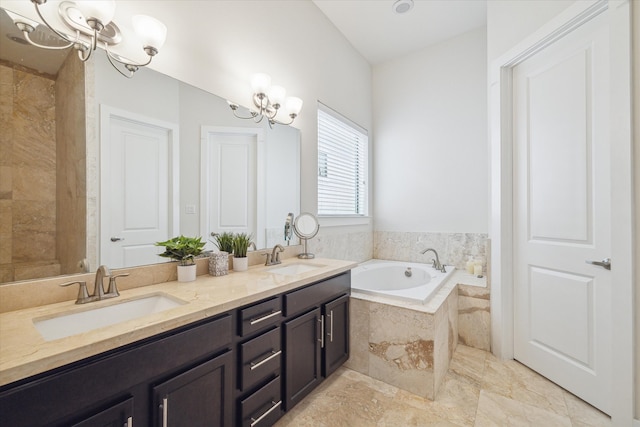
(23, 351)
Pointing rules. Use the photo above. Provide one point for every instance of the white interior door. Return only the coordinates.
(230, 194)
(562, 213)
(138, 188)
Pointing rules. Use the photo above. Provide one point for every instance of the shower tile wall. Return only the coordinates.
(28, 174)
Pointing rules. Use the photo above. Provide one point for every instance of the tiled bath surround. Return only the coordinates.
(474, 326)
(335, 243)
(453, 248)
(410, 346)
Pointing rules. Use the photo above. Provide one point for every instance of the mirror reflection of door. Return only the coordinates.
(229, 193)
(138, 164)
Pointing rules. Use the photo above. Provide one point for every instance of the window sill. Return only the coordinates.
(338, 221)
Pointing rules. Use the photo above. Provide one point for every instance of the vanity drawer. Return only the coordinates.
(314, 295)
(264, 407)
(259, 358)
(260, 316)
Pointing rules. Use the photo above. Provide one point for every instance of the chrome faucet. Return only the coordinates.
(436, 261)
(273, 258)
(98, 290)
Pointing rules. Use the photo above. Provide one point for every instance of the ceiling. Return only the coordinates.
(380, 34)
(371, 26)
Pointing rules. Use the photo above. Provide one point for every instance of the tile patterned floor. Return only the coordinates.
(479, 390)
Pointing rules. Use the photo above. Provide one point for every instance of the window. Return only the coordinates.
(342, 165)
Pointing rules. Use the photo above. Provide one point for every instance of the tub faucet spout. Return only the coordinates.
(436, 260)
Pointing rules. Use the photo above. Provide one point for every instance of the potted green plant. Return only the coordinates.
(184, 250)
(241, 242)
(224, 242)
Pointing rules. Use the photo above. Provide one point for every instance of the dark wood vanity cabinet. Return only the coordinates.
(118, 415)
(304, 338)
(242, 368)
(197, 397)
(115, 388)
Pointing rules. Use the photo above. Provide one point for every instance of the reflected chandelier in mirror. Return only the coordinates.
(88, 25)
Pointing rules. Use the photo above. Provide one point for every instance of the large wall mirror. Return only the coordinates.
(95, 167)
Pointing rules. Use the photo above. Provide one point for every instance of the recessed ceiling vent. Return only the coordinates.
(402, 6)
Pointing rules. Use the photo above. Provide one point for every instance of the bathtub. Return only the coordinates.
(406, 281)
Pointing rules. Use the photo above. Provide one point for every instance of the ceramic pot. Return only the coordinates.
(186, 273)
(240, 264)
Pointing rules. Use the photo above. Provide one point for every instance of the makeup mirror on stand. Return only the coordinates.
(306, 227)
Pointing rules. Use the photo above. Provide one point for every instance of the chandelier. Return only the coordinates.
(89, 25)
(269, 100)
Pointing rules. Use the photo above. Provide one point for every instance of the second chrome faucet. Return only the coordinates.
(436, 260)
(273, 258)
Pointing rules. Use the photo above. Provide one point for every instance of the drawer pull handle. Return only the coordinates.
(331, 326)
(268, 316)
(165, 412)
(321, 339)
(256, 365)
(255, 421)
(129, 422)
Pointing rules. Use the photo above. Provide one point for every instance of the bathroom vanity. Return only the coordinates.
(244, 361)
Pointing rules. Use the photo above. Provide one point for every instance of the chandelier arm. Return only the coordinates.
(84, 54)
(283, 123)
(252, 117)
(31, 42)
(58, 33)
(129, 64)
(113, 64)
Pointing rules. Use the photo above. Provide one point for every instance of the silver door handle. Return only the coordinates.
(165, 411)
(117, 239)
(606, 263)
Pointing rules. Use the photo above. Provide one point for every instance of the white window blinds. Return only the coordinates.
(342, 165)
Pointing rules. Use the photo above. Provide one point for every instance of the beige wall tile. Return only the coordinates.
(358, 335)
(474, 322)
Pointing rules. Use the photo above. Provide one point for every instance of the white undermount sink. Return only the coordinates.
(65, 325)
(293, 269)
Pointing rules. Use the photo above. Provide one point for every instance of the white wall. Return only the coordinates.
(510, 21)
(430, 143)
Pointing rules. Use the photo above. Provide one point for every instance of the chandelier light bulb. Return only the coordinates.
(152, 32)
(294, 105)
(277, 95)
(260, 83)
(100, 10)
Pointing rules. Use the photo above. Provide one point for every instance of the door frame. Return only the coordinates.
(622, 211)
(107, 113)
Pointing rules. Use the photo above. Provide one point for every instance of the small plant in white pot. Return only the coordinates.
(184, 250)
(241, 243)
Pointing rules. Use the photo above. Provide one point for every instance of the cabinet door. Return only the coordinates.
(336, 339)
(199, 397)
(302, 356)
(115, 416)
